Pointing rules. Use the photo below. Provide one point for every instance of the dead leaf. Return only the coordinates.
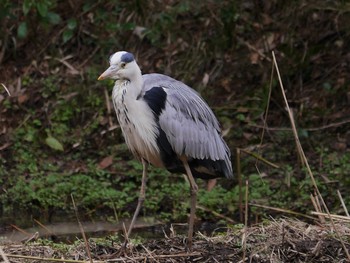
(22, 98)
(140, 31)
(205, 79)
(247, 135)
(225, 83)
(107, 161)
(339, 146)
(4, 146)
(254, 58)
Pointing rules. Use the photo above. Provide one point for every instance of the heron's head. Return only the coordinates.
(122, 65)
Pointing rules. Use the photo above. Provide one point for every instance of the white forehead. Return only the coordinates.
(121, 56)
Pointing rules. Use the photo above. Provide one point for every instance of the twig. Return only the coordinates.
(343, 203)
(126, 237)
(317, 199)
(287, 211)
(337, 217)
(185, 255)
(266, 113)
(323, 127)
(3, 85)
(251, 47)
(260, 158)
(21, 230)
(40, 259)
(331, 125)
(110, 129)
(303, 156)
(109, 108)
(216, 214)
(68, 65)
(152, 258)
(245, 236)
(3, 255)
(240, 185)
(89, 57)
(246, 203)
(44, 227)
(81, 230)
(5, 36)
(317, 208)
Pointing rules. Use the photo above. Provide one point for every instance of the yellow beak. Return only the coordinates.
(107, 74)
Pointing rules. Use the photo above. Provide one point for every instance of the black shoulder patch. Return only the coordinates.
(156, 98)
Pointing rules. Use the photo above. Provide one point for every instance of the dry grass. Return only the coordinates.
(283, 240)
(3, 85)
(305, 162)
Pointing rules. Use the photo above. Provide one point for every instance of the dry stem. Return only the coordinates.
(303, 156)
(82, 230)
(3, 85)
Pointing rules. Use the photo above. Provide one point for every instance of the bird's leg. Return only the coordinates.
(142, 197)
(193, 202)
(211, 184)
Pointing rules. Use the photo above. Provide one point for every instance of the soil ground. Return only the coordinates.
(283, 240)
(226, 55)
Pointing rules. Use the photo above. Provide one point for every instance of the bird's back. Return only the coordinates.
(187, 127)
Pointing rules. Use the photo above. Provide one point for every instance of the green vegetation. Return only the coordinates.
(55, 130)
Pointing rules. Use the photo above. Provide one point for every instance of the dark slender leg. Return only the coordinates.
(142, 197)
(193, 201)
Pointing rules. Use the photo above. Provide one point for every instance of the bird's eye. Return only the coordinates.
(122, 65)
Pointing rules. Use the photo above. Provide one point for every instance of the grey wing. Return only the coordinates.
(189, 124)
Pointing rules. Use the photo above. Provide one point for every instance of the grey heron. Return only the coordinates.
(167, 124)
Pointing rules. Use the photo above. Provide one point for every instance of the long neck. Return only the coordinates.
(132, 85)
(137, 83)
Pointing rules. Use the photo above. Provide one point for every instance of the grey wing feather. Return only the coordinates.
(189, 124)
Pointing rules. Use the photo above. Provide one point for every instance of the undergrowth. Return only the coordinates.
(56, 130)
